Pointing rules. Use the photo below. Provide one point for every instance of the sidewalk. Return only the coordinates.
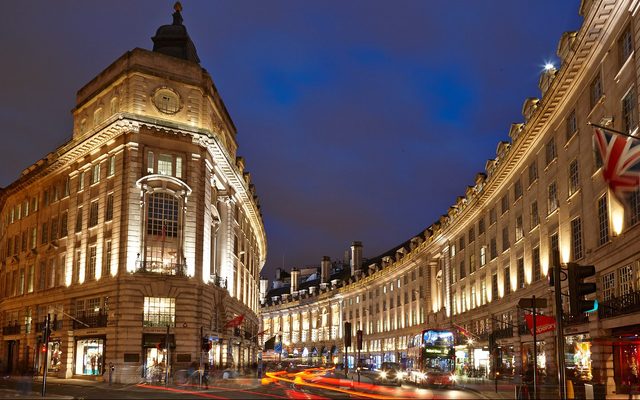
(505, 389)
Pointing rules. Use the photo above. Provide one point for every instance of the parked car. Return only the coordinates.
(391, 372)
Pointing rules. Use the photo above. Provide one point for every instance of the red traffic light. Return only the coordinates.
(43, 348)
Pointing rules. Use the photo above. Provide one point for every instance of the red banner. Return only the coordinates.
(236, 322)
(544, 323)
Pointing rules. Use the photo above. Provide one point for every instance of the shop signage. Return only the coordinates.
(544, 323)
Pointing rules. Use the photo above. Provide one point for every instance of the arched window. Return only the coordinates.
(162, 247)
(162, 215)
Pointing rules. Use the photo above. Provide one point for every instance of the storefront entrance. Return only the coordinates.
(12, 355)
(89, 356)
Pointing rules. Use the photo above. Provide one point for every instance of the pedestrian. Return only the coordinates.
(205, 376)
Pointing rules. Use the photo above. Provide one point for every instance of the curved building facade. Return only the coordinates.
(141, 237)
(543, 190)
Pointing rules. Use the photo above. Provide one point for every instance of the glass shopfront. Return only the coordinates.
(506, 360)
(55, 355)
(626, 364)
(577, 350)
(89, 356)
(527, 355)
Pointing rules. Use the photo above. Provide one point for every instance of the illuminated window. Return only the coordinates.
(483, 256)
(574, 177)
(178, 167)
(576, 238)
(112, 166)
(629, 112)
(162, 215)
(91, 263)
(165, 164)
(552, 198)
(95, 174)
(603, 221)
(81, 181)
(159, 311)
(535, 264)
(608, 286)
(625, 277)
(93, 214)
(150, 163)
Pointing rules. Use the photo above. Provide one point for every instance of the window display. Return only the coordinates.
(578, 357)
(89, 356)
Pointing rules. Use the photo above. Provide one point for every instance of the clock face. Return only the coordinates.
(166, 101)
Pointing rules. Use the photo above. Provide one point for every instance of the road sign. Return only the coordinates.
(530, 302)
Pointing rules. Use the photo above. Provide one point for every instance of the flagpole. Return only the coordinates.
(612, 130)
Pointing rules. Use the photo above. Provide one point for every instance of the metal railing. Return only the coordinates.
(219, 281)
(503, 333)
(158, 320)
(84, 320)
(11, 330)
(157, 267)
(622, 305)
(575, 319)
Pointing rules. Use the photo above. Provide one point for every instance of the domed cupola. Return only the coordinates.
(173, 40)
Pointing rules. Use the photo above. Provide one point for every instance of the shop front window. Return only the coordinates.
(89, 356)
(55, 355)
(578, 357)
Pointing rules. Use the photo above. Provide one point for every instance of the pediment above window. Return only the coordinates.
(163, 182)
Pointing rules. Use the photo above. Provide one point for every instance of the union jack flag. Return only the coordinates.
(621, 161)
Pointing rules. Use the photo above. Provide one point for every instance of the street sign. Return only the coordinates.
(530, 302)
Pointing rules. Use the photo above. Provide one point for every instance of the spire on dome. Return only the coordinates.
(173, 40)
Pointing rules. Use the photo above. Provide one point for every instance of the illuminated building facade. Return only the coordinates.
(143, 227)
(543, 190)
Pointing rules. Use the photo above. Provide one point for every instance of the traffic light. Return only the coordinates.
(206, 344)
(359, 339)
(347, 334)
(43, 348)
(578, 288)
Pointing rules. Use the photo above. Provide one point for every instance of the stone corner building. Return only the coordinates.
(143, 227)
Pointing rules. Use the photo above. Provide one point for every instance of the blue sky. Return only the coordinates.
(358, 120)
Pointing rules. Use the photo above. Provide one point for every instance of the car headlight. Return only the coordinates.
(383, 374)
(400, 375)
(453, 378)
(420, 375)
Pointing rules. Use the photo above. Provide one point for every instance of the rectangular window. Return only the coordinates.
(625, 277)
(492, 216)
(67, 184)
(535, 219)
(480, 226)
(45, 233)
(81, 181)
(463, 272)
(535, 264)
(493, 248)
(95, 174)
(21, 288)
(51, 281)
(576, 238)
(553, 242)
(505, 239)
(24, 241)
(494, 287)
(595, 91)
(461, 243)
(34, 237)
(550, 151)
(178, 167)
(93, 214)
(79, 220)
(112, 166)
(25, 208)
(533, 172)
(517, 189)
(483, 291)
(603, 220)
(76, 267)
(629, 112)
(472, 235)
(521, 280)
(472, 263)
(634, 203)
(34, 204)
(150, 163)
(519, 229)
(507, 280)
(572, 125)
(31, 273)
(608, 286)
(107, 257)
(505, 203)
(625, 45)
(91, 263)
(483, 256)
(63, 224)
(552, 198)
(473, 295)
(574, 177)
(165, 164)
(108, 215)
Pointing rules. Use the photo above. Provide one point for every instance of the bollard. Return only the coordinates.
(112, 368)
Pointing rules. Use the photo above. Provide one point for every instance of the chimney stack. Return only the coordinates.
(295, 275)
(356, 257)
(264, 288)
(325, 269)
